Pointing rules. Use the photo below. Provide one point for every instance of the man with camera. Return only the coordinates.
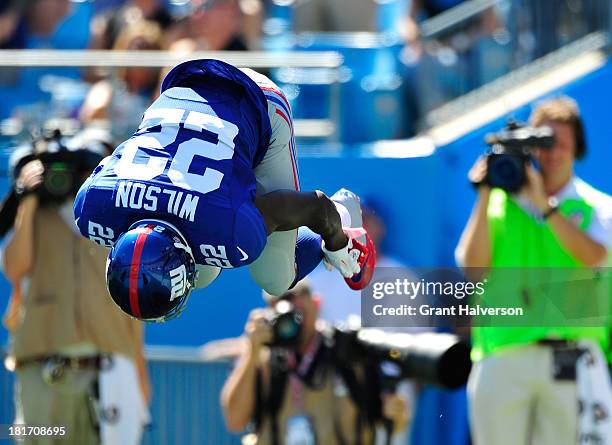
(290, 383)
(523, 388)
(78, 359)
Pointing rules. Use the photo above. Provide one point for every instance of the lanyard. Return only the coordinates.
(300, 370)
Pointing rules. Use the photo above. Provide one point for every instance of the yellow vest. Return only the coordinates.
(530, 268)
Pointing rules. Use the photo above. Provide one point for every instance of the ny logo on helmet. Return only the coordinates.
(178, 281)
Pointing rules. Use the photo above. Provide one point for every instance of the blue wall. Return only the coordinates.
(427, 202)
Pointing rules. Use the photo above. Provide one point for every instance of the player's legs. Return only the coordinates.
(274, 270)
(281, 264)
(206, 275)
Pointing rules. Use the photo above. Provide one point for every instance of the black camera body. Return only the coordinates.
(439, 359)
(286, 325)
(436, 358)
(63, 168)
(511, 150)
(63, 173)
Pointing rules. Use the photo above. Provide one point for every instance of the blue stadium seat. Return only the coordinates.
(369, 80)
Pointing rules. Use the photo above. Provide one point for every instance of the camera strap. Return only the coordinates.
(287, 373)
(270, 404)
(307, 368)
(8, 212)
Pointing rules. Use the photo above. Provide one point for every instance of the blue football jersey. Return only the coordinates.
(190, 163)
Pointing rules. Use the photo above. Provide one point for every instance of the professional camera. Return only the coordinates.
(286, 324)
(436, 358)
(63, 168)
(511, 151)
(67, 156)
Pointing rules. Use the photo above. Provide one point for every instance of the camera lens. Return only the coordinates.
(506, 171)
(288, 326)
(58, 180)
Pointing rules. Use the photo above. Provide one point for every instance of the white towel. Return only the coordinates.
(122, 409)
(594, 396)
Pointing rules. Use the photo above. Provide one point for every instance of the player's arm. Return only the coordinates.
(287, 210)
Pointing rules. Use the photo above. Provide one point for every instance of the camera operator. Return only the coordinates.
(523, 387)
(78, 359)
(299, 394)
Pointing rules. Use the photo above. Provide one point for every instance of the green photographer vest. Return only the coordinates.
(527, 262)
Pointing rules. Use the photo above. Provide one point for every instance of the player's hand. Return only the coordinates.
(30, 178)
(344, 259)
(258, 330)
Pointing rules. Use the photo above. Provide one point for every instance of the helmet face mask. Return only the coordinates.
(150, 271)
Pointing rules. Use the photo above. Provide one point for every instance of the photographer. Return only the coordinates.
(78, 359)
(523, 387)
(300, 394)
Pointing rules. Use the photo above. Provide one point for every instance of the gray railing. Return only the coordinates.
(111, 60)
(447, 20)
(160, 59)
(576, 59)
(480, 41)
(185, 406)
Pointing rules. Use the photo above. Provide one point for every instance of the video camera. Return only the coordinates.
(63, 172)
(510, 152)
(67, 157)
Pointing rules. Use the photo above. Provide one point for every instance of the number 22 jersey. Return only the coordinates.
(190, 164)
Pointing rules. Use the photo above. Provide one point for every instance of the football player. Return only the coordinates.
(210, 181)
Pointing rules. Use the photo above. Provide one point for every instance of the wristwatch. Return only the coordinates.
(553, 206)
